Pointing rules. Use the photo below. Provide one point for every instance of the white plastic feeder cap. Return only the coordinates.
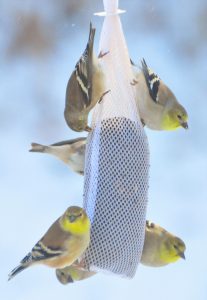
(111, 8)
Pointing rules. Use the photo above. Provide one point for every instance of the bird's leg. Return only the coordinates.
(102, 54)
(143, 123)
(134, 82)
(101, 99)
(80, 264)
(88, 129)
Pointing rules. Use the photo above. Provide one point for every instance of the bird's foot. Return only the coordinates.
(102, 54)
(79, 264)
(88, 129)
(143, 123)
(101, 99)
(134, 82)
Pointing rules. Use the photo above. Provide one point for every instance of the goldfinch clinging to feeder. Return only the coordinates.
(71, 152)
(72, 273)
(161, 247)
(63, 243)
(157, 105)
(85, 88)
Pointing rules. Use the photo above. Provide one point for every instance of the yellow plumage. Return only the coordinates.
(64, 242)
(72, 273)
(157, 105)
(160, 248)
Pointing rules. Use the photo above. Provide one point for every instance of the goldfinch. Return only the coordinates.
(64, 242)
(160, 248)
(72, 273)
(157, 105)
(85, 88)
(71, 152)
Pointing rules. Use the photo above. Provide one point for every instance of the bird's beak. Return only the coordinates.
(184, 125)
(88, 129)
(182, 255)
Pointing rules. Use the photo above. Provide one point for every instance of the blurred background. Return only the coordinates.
(40, 42)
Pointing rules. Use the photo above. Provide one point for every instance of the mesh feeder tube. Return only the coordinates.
(117, 162)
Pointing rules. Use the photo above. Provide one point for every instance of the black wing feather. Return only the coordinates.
(69, 142)
(40, 252)
(84, 67)
(152, 80)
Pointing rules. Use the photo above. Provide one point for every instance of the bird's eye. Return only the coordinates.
(175, 246)
(152, 225)
(72, 218)
(179, 117)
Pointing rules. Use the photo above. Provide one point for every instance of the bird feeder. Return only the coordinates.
(117, 161)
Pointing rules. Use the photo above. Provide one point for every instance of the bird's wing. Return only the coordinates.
(75, 100)
(41, 252)
(132, 63)
(84, 68)
(149, 224)
(152, 81)
(52, 244)
(69, 142)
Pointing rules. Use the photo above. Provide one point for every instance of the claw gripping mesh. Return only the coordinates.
(117, 165)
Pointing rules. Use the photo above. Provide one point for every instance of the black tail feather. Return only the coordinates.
(17, 270)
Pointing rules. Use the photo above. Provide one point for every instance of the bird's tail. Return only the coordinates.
(88, 53)
(91, 37)
(38, 148)
(17, 270)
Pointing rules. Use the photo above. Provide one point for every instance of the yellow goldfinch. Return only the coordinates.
(71, 152)
(63, 243)
(72, 273)
(85, 88)
(160, 248)
(157, 105)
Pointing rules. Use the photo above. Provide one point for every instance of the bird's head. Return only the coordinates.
(77, 122)
(75, 220)
(80, 125)
(173, 249)
(175, 117)
(64, 275)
